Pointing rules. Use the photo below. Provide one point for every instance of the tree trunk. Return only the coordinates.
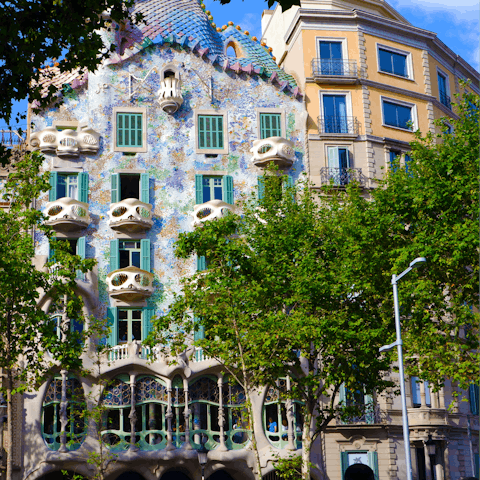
(306, 446)
(258, 468)
(9, 426)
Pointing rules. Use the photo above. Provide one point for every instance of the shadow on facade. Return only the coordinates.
(359, 471)
(130, 476)
(220, 475)
(60, 475)
(173, 475)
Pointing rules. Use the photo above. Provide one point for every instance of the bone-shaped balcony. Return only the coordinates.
(67, 214)
(130, 284)
(207, 211)
(130, 215)
(273, 149)
(169, 95)
(66, 143)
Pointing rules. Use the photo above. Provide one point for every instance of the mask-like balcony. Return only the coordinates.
(130, 284)
(66, 143)
(67, 214)
(273, 149)
(169, 95)
(207, 211)
(130, 215)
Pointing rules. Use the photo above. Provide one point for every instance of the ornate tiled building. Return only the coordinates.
(154, 143)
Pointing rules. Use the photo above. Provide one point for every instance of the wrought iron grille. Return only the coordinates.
(338, 124)
(445, 100)
(10, 138)
(342, 176)
(367, 414)
(344, 68)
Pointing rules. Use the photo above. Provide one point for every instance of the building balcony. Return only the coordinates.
(130, 284)
(66, 143)
(335, 71)
(130, 215)
(275, 150)
(169, 95)
(340, 177)
(210, 210)
(367, 415)
(136, 350)
(338, 126)
(67, 215)
(445, 100)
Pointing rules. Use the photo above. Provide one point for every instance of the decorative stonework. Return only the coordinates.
(362, 55)
(210, 210)
(431, 117)
(169, 95)
(67, 214)
(275, 150)
(130, 215)
(130, 284)
(426, 73)
(367, 111)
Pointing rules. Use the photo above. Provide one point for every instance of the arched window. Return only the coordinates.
(236, 426)
(205, 403)
(151, 402)
(275, 417)
(178, 411)
(116, 429)
(51, 414)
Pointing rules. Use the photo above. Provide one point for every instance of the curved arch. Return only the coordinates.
(220, 475)
(359, 471)
(60, 475)
(174, 475)
(237, 48)
(169, 70)
(130, 475)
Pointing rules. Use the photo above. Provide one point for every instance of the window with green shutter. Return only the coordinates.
(70, 185)
(210, 132)
(130, 253)
(129, 130)
(270, 125)
(130, 185)
(127, 324)
(213, 188)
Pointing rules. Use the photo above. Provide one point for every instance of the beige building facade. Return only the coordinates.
(370, 80)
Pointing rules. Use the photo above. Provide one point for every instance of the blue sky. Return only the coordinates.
(456, 22)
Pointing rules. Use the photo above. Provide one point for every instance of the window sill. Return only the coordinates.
(396, 76)
(211, 151)
(130, 150)
(399, 128)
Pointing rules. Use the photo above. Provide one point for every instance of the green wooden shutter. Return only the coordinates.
(145, 254)
(51, 250)
(201, 263)
(228, 189)
(52, 193)
(115, 187)
(210, 131)
(113, 325)
(342, 394)
(81, 247)
(147, 315)
(83, 187)
(260, 187)
(270, 125)
(114, 254)
(373, 463)
(144, 188)
(198, 189)
(369, 409)
(219, 143)
(199, 332)
(288, 186)
(344, 463)
(474, 399)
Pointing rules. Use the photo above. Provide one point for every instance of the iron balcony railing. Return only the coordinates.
(327, 68)
(367, 414)
(338, 124)
(342, 176)
(445, 100)
(10, 138)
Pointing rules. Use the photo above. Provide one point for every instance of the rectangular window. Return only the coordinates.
(335, 114)
(130, 130)
(331, 58)
(393, 62)
(213, 188)
(130, 185)
(416, 396)
(443, 90)
(70, 185)
(352, 458)
(398, 115)
(394, 163)
(130, 253)
(270, 125)
(129, 325)
(210, 132)
(75, 246)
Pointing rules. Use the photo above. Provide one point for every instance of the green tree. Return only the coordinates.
(276, 301)
(26, 331)
(34, 33)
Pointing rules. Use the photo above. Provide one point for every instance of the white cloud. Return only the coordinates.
(252, 23)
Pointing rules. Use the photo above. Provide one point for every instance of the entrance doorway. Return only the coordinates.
(359, 471)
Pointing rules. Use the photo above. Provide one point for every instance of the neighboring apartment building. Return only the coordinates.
(154, 143)
(370, 79)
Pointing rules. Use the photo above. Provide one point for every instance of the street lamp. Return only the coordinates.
(202, 455)
(398, 343)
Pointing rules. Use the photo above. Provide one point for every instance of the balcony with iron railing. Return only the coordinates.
(130, 284)
(368, 414)
(445, 100)
(67, 214)
(340, 177)
(338, 71)
(338, 125)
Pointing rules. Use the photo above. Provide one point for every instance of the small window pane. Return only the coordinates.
(397, 115)
(210, 131)
(392, 62)
(129, 129)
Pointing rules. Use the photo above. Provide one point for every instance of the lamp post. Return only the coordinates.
(398, 343)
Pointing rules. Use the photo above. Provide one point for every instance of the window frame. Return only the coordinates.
(445, 76)
(342, 40)
(401, 103)
(137, 110)
(278, 111)
(408, 61)
(216, 113)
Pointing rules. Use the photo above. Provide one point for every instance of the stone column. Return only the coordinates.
(169, 416)
(186, 414)
(290, 420)
(221, 416)
(423, 401)
(63, 414)
(133, 414)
